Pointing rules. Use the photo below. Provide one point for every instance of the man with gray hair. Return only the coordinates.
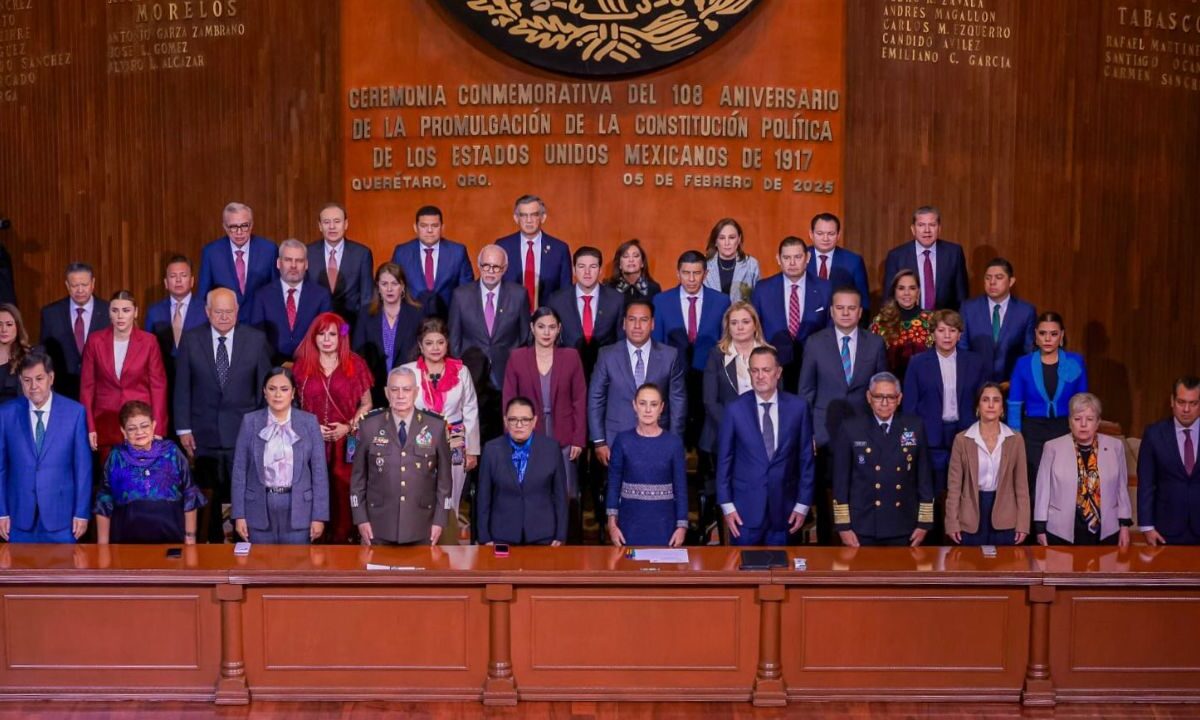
(400, 485)
(285, 310)
(537, 261)
(491, 315)
(239, 260)
(882, 479)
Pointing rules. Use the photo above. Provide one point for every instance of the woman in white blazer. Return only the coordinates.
(730, 269)
(1082, 495)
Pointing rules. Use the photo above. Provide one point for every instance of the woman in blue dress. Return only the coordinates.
(647, 479)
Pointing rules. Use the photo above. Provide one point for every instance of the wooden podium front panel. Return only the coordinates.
(109, 642)
(637, 643)
(366, 641)
(894, 642)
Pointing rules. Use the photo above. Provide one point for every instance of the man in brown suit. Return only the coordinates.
(401, 479)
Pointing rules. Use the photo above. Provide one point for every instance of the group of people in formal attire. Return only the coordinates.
(300, 393)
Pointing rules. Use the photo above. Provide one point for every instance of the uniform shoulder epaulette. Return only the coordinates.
(431, 414)
(373, 413)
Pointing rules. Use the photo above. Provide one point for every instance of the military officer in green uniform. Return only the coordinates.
(401, 479)
(882, 480)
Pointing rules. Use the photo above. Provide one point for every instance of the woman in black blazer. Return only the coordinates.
(386, 332)
(726, 377)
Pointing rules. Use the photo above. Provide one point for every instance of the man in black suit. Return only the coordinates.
(522, 484)
(341, 266)
(66, 324)
(490, 315)
(220, 369)
(590, 311)
(940, 264)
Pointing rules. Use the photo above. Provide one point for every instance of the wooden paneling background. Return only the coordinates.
(122, 170)
(1089, 185)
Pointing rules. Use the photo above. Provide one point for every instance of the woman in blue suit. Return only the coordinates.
(1043, 384)
(280, 482)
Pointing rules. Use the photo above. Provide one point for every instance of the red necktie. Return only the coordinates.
(927, 282)
(1189, 451)
(429, 269)
(531, 275)
(588, 324)
(79, 329)
(794, 312)
(823, 273)
(692, 320)
(291, 308)
(240, 266)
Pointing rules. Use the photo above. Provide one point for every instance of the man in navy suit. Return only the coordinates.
(341, 266)
(998, 325)
(836, 265)
(179, 311)
(67, 323)
(940, 264)
(1168, 471)
(434, 266)
(239, 260)
(45, 461)
(940, 387)
(792, 306)
(591, 312)
(285, 310)
(765, 470)
(220, 371)
(536, 261)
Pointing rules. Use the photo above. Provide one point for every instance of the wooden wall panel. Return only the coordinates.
(124, 168)
(1086, 182)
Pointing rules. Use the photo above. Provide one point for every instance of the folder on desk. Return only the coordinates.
(763, 559)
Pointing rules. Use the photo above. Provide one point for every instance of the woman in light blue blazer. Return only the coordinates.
(730, 269)
(280, 481)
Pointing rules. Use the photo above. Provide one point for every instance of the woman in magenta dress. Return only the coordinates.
(334, 384)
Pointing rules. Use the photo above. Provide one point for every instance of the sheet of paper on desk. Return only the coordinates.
(662, 555)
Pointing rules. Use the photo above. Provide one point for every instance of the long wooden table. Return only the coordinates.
(1031, 625)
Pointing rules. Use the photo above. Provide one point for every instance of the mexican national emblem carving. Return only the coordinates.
(600, 37)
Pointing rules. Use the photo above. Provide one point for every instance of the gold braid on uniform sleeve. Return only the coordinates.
(925, 512)
(841, 513)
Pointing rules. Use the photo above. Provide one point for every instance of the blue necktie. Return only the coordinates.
(846, 366)
(402, 433)
(39, 432)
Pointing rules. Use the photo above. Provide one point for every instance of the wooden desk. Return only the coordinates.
(1034, 625)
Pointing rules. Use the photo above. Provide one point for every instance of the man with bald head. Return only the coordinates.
(220, 369)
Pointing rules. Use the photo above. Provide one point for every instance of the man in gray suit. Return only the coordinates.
(838, 365)
(491, 315)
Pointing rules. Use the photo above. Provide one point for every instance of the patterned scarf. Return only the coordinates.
(1087, 497)
(434, 393)
(641, 286)
(520, 457)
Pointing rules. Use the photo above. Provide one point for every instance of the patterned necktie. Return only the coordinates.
(823, 273)
(39, 432)
(222, 361)
(177, 322)
(847, 366)
(639, 369)
(429, 269)
(489, 312)
(588, 322)
(331, 270)
(531, 275)
(794, 312)
(927, 282)
(996, 323)
(240, 266)
(402, 433)
(291, 308)
(1189, 451)
(768, 430)
(79, 332)
(692, 320)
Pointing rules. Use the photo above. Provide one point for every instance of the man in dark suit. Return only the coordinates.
(882, 484)
(341, 266)
(765, 458)
(1168, 473)
(491, 315)
(940, 264)
(220, 369)
(591, 312)
(522, 484)
(998, 325)
(239, 260)
(168, 319)
(838, 364)
(791, 305)
(433, 265)
(45, 460)
(285, 310)
(940, 387)
(836, 265)
(536, 261)
(67, 323)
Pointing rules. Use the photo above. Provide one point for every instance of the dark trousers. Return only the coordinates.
(871, 541)
(214, 471)
(823, 499)
(986, 534)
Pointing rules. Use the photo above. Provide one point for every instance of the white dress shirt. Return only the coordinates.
(1003, 308)
(88, 308)
(337, 255)
(685, 303)
(989, 460)
(234, 249)
(180, 306)
(594, 295)
(483, 293)
(33, 418)
(120, 350)
(537, 254)
(284, 284)
(949, 367)
(853, 335)
(729, 508)
(921, 268)
(801, 285)
(632, 350)
(741, 368)
(421, 248)
(228, 343)
(828, 261)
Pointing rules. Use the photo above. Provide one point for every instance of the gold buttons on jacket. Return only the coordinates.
(877, 503)
(877, 468)
(878, 486)
(899, 487)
